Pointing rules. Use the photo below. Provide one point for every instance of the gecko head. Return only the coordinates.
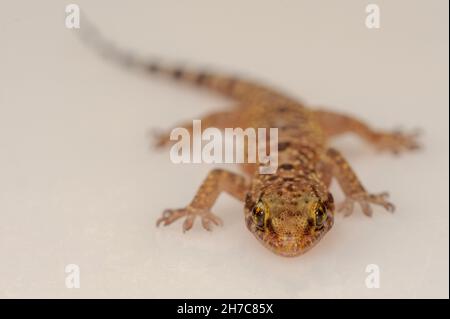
(289, 223)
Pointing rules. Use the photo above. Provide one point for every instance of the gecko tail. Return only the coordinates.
(91, 36)
(228, 86)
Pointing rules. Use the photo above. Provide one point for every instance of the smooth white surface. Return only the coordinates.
(80, 184)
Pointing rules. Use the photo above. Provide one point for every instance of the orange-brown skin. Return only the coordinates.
(291, 210)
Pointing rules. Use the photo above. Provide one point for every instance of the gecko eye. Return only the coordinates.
(259, 214)
(320, 216)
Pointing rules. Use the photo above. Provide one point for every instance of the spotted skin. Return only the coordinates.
(291, 210)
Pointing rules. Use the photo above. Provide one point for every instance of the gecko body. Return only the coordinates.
(291, 210)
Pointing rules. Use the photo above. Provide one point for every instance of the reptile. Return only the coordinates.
(289, 211)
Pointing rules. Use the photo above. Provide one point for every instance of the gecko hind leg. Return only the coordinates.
(218, 119)
(334, 124)
(352, 187)
(216, 182)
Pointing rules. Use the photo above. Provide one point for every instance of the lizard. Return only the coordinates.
(289, 211)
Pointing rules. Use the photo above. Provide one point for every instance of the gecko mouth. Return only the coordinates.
(290, 244)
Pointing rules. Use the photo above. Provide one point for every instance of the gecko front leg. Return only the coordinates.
(352, 187)
(216, 182)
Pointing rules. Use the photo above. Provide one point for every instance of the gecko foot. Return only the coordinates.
(190, 213)
(397, 142)
(364, 200)
(160, 138)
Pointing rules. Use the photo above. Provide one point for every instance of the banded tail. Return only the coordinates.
(228, 86)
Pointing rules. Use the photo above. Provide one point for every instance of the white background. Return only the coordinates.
(79, 182)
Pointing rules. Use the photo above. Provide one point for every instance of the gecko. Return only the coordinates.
(289, 211)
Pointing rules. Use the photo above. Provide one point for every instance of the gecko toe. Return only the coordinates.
(188, 222)
(398, 142)
(367, 210)
(170, 215)
(210, 218)
(365, 200)
(206, 224)
(160, 138)
(164, 218)
(389, 207)
(346, 207)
